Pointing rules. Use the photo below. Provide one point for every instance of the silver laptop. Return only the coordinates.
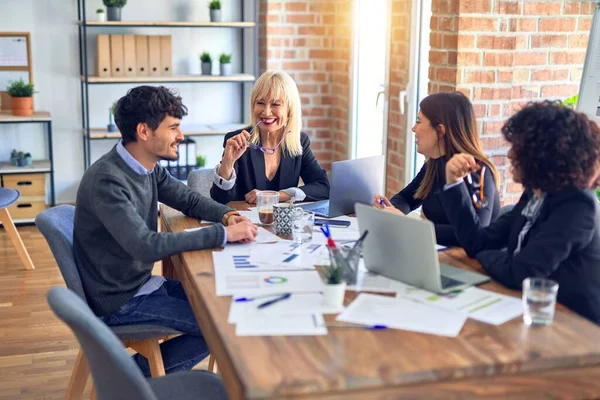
(352, 181)
(403, 248)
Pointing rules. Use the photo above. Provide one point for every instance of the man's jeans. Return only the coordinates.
(167, 306)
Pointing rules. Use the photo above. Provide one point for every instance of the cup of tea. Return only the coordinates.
(284, 214)
(264, 204)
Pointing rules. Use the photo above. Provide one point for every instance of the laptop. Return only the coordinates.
(352, 181)
(403, 248)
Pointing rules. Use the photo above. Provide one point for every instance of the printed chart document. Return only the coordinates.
(242, 280)
(298, 303)
(400, 313)
(290, 325)
(291, 255)
(481, 305)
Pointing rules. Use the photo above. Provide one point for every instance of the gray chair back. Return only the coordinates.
(116, 376)
(505, 209)
(201, 180)
(56, 224)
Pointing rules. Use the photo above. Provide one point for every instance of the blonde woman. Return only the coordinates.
(445, 126)
(272, 154)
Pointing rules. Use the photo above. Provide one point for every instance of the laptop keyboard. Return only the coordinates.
(449, 282)
(321, 211)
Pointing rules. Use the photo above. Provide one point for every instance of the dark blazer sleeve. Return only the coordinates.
(316, 183)
(445, 234)
(471, 235)
(405, 199)
(218, 194)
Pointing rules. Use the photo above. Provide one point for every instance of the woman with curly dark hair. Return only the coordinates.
(554, 229)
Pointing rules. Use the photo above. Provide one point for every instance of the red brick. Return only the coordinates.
(525, 92)
(578, 41)
(298, 6)
(280, 30)
(273, 18)
(573, 7)
(477, 24)
(312, 30)
(487, 93)
(560, 24)
(498, 59)
(273, 6)
(322, 7)
(295, 65)
(446, 74)
(505, 76)
(530, 59)
(494, 110)
(554, 90)
(447, 24)
(493, 127)
(435, 40)
(465, 58)
(480, 77)
(538, 41)
(300, 18)
(585, 24)
(320, 53)
(527, 24)
(450, 41)
(475, 6)
(496, 42)
(493, 143)
(465, 41)
(566, 57)
(550, 75)
(438, 57)
(541, 8)
(507, 7)
(479, 110)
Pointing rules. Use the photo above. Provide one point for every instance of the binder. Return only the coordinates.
(116, 55)
(129, 55)
(165, 56)
(141, 55)
(103, 55)
(154, 55)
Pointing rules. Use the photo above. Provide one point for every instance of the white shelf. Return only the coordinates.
(169, 24)
(39, 166)
(39, 116)
(173, 78)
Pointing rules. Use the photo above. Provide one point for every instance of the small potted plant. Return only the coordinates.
(215, 10)
(206, 63)
(111, 127)
(225, 61)
(21, 94)
(14, 157)
(100, 15)
(200, 161)
(113, 9)
(28, 158)
(335, 286)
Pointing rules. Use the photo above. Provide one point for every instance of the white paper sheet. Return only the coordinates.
(252, 215)
(289, 325)
(371, 282)
(481, 305)
(400, 313)
(244, 280)
(287, 255)
(298, 303)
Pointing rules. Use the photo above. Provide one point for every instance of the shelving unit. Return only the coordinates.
(91, 134)
(38, 166)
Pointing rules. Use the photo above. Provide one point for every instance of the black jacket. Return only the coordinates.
(250, 171)
(562, 245)
(432, 208)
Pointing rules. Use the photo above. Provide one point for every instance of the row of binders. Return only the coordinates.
(133, 55)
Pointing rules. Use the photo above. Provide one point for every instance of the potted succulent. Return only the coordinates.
(100, 15)
(28, 159)
(225, 60)
(335, 286)
(111, 127)
(200, 161)
(14, 157)
(215, 10)
(21, 94)
(113, 9)
(206, 63)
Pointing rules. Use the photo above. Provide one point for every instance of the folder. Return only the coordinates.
(141, 55)
(129, 55)
(103, 55)
(154, 55)
(165, 56)
(116, 55)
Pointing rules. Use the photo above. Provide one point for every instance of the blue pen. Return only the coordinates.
(270, 302)
(382, 202)
(376, 327)
(244, 299)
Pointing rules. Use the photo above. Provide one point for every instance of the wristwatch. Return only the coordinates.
(229, 214)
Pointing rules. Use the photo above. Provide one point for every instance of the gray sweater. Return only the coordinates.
(115, 239)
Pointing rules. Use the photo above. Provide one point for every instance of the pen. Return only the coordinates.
(270, 302)
(244, 299)
(376, 327)
(382, 202)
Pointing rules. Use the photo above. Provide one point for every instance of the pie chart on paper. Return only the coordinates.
(275, 280)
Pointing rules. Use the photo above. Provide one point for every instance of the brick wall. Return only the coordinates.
(399, 75)
(504, 53)
(310, 40)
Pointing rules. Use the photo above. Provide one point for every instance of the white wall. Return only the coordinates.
(55, 53)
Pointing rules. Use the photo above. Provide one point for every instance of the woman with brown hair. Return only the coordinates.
(446, 125)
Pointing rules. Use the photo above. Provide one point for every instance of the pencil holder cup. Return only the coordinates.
(347, 259)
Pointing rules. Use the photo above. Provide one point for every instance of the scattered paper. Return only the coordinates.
(298, 303)
(481, 305)
(283, 325)
(400, 313)
(367, 281)
(290, 255)
(252, 215)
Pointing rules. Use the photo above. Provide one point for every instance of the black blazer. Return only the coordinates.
(563, 244)
(432, 208)
(250, 171)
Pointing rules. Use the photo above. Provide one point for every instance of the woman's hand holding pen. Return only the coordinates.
(234, 148)
(459, 166)
(382, 203)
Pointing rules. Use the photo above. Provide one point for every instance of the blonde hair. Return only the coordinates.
(280, 86)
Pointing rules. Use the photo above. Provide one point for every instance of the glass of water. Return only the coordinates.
(303, 225)
(539, 301)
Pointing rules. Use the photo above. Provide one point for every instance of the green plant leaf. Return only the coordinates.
(215, 5)
(115, 3)
(225, 58)
(20, 89)
(205, 57)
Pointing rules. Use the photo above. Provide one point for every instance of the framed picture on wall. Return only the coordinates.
(15, 62)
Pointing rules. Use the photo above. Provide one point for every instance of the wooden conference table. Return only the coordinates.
(484, 361)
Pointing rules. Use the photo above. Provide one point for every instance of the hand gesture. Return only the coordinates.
(236, 219)
(243, 232)
(251, 196)
(235, 147)
(459, 166)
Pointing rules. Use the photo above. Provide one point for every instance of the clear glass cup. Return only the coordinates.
(264, 205)
(539, 301)
(302, 226)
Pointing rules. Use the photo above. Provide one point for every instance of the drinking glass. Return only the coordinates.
(303, 225)
(539, 301)
(264, 205)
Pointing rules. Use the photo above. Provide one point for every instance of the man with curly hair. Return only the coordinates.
(554, 229)
(115, 238)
